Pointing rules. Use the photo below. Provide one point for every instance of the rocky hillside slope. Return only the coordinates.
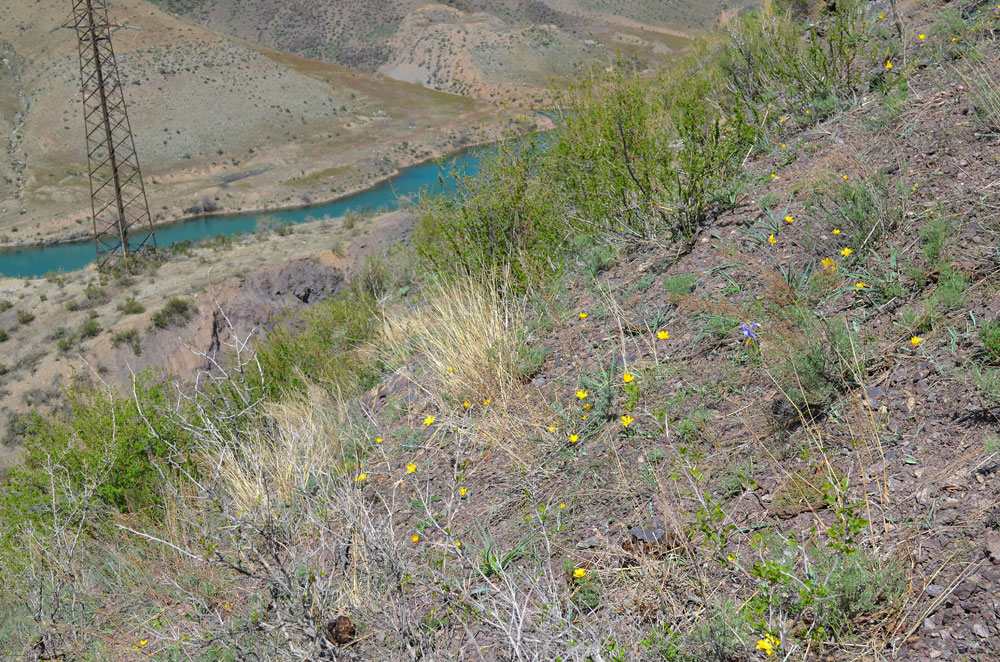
(496, 51)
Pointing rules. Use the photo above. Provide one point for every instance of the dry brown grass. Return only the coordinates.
(467, 335)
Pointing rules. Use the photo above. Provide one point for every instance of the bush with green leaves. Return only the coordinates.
(989, 334)
(326, 346)
(777, 59)
(174, 313)
(25, 317)
(651, 157)
(502, 222)
(103, 440)
(131, 307)
(128, 337)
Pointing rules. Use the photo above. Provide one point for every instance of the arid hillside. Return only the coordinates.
(219, 123)
(489, 49)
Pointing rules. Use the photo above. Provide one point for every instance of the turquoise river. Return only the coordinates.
(36, 261)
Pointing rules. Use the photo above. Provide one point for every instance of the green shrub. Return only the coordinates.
(174, 313)
(989, 334)
(90, 329)
(25, 317)
(102, 439)
(867, 208)
(324, 347)
(501, 222)
(131, 307)
(680, 284)
(65, 343)
(3, 335)
(656, 157)
(95, 294)
(128, 337)
(5, 305)
(772, 58)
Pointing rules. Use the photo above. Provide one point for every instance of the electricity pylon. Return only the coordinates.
(123, 228)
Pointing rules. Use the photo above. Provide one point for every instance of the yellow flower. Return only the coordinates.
(860, 285)
(579, 573)
(561, 506)
(573, 438)
(730, 557)
(845, 178)
(143, 643)
(462, 491)
(458, 543)
(583, 316)
(920, 37)
(587, 407)
(772, 240)
(429, 420)
(916, 340)
(783, 145)
(828, 263)
(846, 252)
(628, 377)
(954, 38)
(411, 468)
(486, 402)
(378, 440)
(662, 335)
(451, 368)
(881, 16)
(415, 538)
(773, 176)
(552, 428)
(360, 477)
(581, 394)
(808, 112)
(585, 416)
(836, 231)
(783, 120)
(627, 420)
(789, 219)
(888, 65)
(768, 644)
(466, 404)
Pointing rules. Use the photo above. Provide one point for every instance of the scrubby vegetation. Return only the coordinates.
(681, 381)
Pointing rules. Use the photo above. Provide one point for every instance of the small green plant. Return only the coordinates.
(128, 337)
(131, 307)
(90, 329)
(680, 284)
(25, 317)
(174, 313)
(5, 305)
(989, 334)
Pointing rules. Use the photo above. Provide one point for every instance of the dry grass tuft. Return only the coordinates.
(304, 440)
(469, 337)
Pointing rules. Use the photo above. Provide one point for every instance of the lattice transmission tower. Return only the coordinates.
(123, 228)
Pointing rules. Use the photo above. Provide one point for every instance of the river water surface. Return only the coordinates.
(37, 261)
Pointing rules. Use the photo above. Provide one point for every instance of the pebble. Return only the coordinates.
(980, 631)
(934, 590)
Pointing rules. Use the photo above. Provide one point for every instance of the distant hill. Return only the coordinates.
(489, 49)
(205, 107)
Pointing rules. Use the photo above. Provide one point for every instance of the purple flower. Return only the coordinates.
(748, 331)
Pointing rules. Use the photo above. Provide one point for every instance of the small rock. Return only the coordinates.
(340, 630)
(980, 631)
(934, 590)
(652, 536)
(929, 625)
(993, 547)
(540, 382)
(592, 541)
